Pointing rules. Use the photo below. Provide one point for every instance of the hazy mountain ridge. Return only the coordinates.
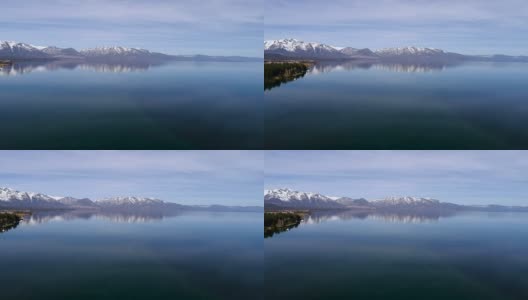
(289, 199)
(13, 199)
(24, 51)
(296, 49)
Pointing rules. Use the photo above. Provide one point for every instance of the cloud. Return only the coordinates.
(199, 177)
(227, 27)
(472, 177)
(430, 11)
(163, 11)
(473, 26)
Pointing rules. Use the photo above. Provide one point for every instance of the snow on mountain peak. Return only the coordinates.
(17, 49)
(16, 46)
(129, 200)
(285, 194)
(114, 50)
(292, 45)
(408, 200)
(291, 196)
(8, 194)
(409, 50)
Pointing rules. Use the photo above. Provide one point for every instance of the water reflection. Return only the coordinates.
(202, 255)
(271, 82)
(317, 217)
(331, 66)
(467, 256)
(271, 231)
(17, 69)
(118, 216)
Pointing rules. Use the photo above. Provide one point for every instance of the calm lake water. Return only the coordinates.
(85, 256)
(365, 106)
(464, 257)
(182, 105)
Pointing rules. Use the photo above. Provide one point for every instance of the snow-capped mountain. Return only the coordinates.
(358, 52)
(295, 199)
(114, 51)
(23, 51)
(286, 198)
(7, 194)
(409, 51)
(55, 51)
(406, 201)
(17, 199)
(296, 48)
(361, 202)
(292, 45)
(129, 202)
(416, 54)
(74, 202)
(16, 50)
(301, 49)
(289, 195)
(13, 199)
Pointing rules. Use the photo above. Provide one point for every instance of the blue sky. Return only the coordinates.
(464, 177)
(469, 27)
(211, 27)
(187, 177)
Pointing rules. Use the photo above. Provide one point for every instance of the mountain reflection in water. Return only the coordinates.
(336, 66)
(403, 217)
(331, 66)
(317, 217)
(24, 68)
(124, 216)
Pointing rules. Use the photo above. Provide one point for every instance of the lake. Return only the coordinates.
(351, 105)
(198, 255)
(347, 256)
(180, 105)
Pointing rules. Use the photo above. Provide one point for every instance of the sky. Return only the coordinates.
(467, 27)
(462, 177)
(185, 177)
(210, 27)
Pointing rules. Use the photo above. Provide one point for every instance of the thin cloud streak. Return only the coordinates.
(467, 177)
(228, 27)
(471, 27)
(188, 177)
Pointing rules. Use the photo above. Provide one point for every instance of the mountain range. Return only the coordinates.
(296, 49)
(22, 51)
(13, 199)
(279, 199)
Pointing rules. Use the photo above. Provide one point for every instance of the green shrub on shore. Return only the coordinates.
(9, 221)
(277, 73)
(277, 222)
